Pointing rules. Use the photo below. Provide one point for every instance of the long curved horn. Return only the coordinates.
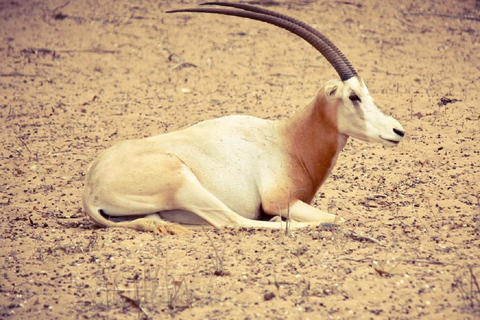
(331, 53)
(248, 7)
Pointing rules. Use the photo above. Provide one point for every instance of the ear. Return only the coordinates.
(330, 90)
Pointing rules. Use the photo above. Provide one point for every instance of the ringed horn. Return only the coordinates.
(336, 58)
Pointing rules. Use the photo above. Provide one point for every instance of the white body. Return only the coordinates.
(234, 170)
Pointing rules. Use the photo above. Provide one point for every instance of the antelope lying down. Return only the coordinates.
(239, 170)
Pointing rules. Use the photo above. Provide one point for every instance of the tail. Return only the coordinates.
(149, 222)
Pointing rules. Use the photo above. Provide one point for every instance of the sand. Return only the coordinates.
(77, 77)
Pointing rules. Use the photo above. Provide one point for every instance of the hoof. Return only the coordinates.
(339, 220)
(170, 229)
(276, 219)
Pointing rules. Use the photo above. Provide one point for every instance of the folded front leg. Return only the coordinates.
(298, 210)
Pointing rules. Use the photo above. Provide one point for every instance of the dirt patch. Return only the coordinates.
(78, 76)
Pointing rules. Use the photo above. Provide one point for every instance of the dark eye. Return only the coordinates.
(353, 97)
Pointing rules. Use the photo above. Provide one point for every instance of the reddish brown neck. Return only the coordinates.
(314, 143)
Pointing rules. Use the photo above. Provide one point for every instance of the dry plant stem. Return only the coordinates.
(424, 261)
(444, 15)
(469, 291)
(354, 235)
(174, 295)
(287, 222)
(430, 262)
(172, 54)
(16, 74)
(349, 259)
(182, 65)
(28, 149)
(25, 145)
(63, 5)
(53, 51)
(218, 262)
(154, 286)
(135, 304)
(474, 296)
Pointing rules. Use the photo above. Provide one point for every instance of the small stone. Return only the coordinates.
(268, 295)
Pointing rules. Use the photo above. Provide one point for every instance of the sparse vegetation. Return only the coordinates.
(218, 259)
(468, 287)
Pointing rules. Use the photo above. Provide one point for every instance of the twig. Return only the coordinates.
(426, 261)
(37, 51)
(134, 303)
(94, 50)
(272, 3)
(16, 74)
(354, 235)
(61, 6)
(26, 147)
(219, 259)
(53, 51)
(264, 3)
(350, 3)
(473, 281)
(24, 144)
(404, 21)
(182, 65)
(444, 15)
(172, 54)
(349, 259)
(288, 220)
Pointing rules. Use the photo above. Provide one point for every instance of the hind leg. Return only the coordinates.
(129, 192)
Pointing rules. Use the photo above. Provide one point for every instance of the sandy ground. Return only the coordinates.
(79, 76)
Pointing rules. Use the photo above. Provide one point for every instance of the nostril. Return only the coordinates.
(401, 133)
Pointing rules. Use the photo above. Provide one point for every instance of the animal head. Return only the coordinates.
(358, 115)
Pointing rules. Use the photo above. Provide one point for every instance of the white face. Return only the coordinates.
(359, 116)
